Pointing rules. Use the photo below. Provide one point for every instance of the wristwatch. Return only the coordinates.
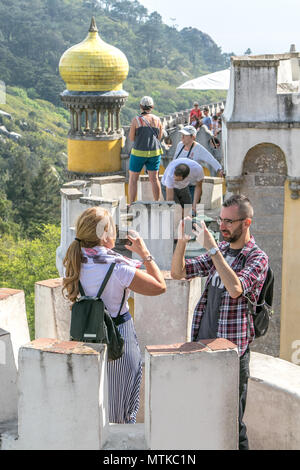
(213, 251)
(148, 258)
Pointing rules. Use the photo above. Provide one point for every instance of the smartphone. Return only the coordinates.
(189, 226)
(133, 234)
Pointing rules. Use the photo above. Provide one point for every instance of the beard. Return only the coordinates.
(234, 236)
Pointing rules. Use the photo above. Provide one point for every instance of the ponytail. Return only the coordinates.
(91, 225)
(72, 264)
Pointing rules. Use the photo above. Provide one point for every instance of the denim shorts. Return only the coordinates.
(136, 164)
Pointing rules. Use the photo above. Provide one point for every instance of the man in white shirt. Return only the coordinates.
(189, 148)
(179, 175)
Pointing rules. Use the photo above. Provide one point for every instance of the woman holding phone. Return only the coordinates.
(88, 259)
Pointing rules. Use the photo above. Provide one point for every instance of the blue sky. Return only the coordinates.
(265, 26)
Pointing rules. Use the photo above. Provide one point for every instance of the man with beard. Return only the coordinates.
(235, 268)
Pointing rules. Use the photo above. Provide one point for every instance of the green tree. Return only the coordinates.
(45, 199)
(7, 224)
(151, 35)
(19, 189)
(24, 262)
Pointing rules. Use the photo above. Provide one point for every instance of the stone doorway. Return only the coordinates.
(264, 176)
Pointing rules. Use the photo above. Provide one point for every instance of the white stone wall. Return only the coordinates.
(273, 404)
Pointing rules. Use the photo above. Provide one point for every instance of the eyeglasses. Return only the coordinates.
(228, 222)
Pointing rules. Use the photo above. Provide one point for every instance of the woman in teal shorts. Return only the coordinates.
(146, 132)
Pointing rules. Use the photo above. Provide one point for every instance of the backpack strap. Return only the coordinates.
(82, 293)
(149, 125)
(122, 303)
(105, 281)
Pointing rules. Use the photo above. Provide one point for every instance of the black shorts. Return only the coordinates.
(181, 196)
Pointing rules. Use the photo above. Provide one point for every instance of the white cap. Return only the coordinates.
(147, 101)
(188, 130)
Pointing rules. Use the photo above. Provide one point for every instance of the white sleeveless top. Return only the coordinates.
(92, 276)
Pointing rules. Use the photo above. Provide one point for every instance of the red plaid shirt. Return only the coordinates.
(233, 314)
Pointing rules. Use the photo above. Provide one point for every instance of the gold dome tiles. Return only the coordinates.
(93, 65)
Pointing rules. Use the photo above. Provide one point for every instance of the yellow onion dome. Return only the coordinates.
(93, 65)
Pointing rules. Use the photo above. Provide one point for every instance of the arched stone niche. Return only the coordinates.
(263, 178)
(265, 164)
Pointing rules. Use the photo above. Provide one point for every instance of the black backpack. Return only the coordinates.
(91, 322)
(263, 313)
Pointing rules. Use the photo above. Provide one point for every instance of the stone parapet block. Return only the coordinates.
(212, 193)
(71, 193)
(191, 396)
(272, 412)
(8, 383)
(52, 310)
(144, 188)
(167, 318)
(67, 407)
(13, 317)
(99, 201)
(109, 187)
(108, 179)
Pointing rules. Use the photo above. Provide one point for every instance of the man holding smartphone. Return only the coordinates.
(234, 268)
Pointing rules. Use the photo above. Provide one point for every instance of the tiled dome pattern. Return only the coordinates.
(93, 65)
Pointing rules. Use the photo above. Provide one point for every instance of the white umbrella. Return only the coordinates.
(213, 81)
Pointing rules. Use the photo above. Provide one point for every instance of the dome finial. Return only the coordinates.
(93, 27)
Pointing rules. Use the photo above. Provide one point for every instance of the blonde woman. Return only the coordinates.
(88, 259)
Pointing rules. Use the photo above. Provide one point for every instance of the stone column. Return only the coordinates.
(112, 124)
(91, 120)
(78, 120)
(118, 123)
(87, 126)
(103, 130)
(72, 116)
(98, 122)
(67, 407)
(192, 392)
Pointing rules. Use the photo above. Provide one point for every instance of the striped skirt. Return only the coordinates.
(124, 378)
